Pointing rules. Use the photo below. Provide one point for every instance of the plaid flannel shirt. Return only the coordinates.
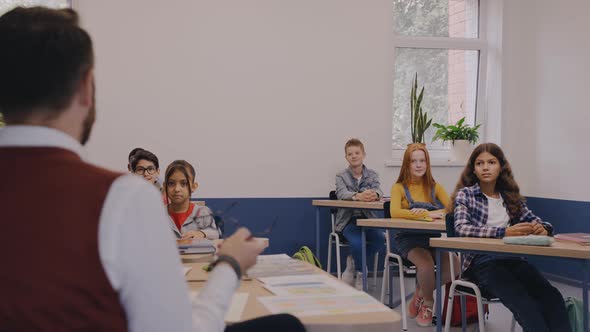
(471, 217)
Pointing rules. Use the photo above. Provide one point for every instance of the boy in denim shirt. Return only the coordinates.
(357, 183)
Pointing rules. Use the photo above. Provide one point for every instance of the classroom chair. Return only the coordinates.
(340, 241)
(220, 226)
(464, 287)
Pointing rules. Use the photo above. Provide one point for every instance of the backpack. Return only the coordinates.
(305, 254)
(470, 309)
(574, 308)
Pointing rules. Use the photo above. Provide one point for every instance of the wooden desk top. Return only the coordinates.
(398, 223)
(348, 204)
(367, 322)
(558, 249)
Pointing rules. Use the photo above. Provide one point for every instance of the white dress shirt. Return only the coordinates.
(138, 251)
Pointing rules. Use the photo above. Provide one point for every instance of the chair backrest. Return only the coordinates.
(450, 225)
(220, 226)
(387, 209)
(387, 214)
(333, 197)
(450, 228)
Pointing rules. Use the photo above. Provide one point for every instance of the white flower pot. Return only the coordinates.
(461, 150)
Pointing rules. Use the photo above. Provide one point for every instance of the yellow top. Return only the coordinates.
(400, 205)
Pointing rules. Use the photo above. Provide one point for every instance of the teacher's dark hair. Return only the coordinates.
(45, 56)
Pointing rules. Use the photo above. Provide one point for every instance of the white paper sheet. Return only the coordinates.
(279, 265)
(302, 306)
(306, 285)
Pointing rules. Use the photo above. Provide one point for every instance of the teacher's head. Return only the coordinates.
(46, 71)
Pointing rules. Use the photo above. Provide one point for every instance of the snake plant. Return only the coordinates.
(419, 118)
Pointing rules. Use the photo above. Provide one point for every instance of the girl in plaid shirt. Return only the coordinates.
(487, 203)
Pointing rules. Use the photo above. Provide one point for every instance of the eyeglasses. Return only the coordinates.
(222, 220)
(151, 170)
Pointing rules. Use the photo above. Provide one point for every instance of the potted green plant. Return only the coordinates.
(419, 119)
(462, 136)
(1, 121)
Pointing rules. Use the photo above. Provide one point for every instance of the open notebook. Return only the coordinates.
(580, 238)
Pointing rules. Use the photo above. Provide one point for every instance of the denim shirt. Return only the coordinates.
(471, 217)
(347, 186)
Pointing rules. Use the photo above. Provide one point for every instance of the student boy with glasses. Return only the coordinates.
(146, 164)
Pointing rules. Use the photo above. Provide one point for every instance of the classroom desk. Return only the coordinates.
(332, 203)
(395, 223)
(365, 322)
(488, 246)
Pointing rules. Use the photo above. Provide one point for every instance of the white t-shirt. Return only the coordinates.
(497, 213)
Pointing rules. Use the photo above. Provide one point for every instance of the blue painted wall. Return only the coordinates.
(296, 224)
(566, 217)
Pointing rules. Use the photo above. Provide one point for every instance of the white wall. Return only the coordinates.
(546, 76)
(262, 94)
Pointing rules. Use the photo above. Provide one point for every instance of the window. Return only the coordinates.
(440, 40)
(6, 5)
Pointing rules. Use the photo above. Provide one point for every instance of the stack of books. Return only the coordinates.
(579, 238)
(194, 246)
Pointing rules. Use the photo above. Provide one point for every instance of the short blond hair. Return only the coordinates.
(354, 142)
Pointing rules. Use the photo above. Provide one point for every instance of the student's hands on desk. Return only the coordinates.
(526, 228)
(242, 247)
(430, 215)
(539, 229)
(368, 195)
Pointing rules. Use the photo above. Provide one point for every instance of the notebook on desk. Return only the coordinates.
(195, 246)
(579, 238)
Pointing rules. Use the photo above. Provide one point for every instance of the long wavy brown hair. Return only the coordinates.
(405, 174)
(505, 183)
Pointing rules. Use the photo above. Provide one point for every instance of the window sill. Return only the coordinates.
(433, 163)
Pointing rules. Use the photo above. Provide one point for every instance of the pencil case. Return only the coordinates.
(529, 240)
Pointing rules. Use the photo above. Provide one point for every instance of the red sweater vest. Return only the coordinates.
(51, 277)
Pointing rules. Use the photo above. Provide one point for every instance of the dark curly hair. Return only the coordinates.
(505, 184)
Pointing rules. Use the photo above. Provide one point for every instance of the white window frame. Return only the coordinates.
(481, 44)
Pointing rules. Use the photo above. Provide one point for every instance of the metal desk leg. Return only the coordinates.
(317, 232)
(585, 293)
(438, 299)
(364, 257)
